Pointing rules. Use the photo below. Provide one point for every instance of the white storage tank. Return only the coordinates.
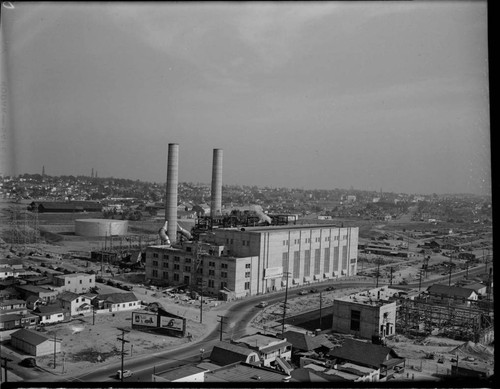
(100, 227)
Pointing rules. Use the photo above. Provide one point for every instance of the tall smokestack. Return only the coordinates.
(216, 200)
(171, 192)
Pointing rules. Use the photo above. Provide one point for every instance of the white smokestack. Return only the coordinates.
(216, 198)
(171, 190)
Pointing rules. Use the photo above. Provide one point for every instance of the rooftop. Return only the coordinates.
(244, 372)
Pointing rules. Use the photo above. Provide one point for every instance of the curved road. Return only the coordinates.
(236, 323)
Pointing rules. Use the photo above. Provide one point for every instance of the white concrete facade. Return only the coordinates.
(255, 260)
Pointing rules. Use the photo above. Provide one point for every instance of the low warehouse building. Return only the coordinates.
(33, 343)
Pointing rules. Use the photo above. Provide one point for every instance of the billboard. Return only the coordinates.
(273, 272)
(145, 319)
(171, 323)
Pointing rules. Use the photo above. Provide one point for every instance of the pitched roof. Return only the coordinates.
(68, 296)
(48, 309)
(364, 353)
(305, 342)
(225, 353)
(118, 298)
(452, 291)
(29, 337)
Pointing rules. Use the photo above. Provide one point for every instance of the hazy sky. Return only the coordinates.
(390, 95)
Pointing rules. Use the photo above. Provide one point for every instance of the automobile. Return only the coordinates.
(303, 292)
(313, 290)
(28, 362)
(399, 369)
(126, 373)
(262, 304)
(330, 288)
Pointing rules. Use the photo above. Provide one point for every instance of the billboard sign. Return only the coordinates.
(171, 323)
(145, 319)
(273, 272)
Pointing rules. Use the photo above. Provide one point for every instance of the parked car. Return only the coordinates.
(303, 292)
(314, 290)
(126, 373)
(263, 304)
(330, 288)
(28, 362)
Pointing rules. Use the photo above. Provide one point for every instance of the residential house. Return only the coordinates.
(381, 358)
(480, 289)
(305, 343)
(12, 320)
(13, 305)
(268, 347)
(50, 314)
(6, 272)
(76, 283)
(117, 301)
(451, 294)
(75, 304)
(224, 353)
(34, 343)
(45, 294)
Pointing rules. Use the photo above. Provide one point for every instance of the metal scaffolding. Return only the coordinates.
(422, 317)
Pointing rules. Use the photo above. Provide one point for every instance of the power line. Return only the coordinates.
(122, 339)
(222, 318)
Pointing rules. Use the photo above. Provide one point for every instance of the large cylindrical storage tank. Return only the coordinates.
(100, 227)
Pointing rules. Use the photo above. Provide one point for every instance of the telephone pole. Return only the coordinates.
(55, 348)
(285, 304)
(122, 339)
(222, 318)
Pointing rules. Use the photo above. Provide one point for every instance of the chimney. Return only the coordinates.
(216, 199)
(171, 191)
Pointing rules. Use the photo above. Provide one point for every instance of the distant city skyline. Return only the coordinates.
(312, 95)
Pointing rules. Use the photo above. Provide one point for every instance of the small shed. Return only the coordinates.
(34, 343)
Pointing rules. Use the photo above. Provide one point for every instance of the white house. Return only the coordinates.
(50, 314)
(115, 302)
(269, 348)
(76, 304)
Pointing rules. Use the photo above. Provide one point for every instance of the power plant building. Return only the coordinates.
(244, 261)
(231, 263)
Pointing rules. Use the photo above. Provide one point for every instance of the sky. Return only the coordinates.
(390, 96)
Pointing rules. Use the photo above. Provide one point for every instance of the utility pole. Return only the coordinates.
(449, 277)
(420, 279)
(122, 339)
(55, 348)
(378, 271)
(285, 304)
(5, 361)
(392, 270)
(320, 306)
(93, 315)
(222, 318)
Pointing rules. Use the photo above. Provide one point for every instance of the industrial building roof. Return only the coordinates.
(290, 227)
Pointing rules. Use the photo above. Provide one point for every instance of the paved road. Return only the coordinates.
(236, 322)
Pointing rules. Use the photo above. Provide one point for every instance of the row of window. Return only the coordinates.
(286, 242)
(188, 260)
